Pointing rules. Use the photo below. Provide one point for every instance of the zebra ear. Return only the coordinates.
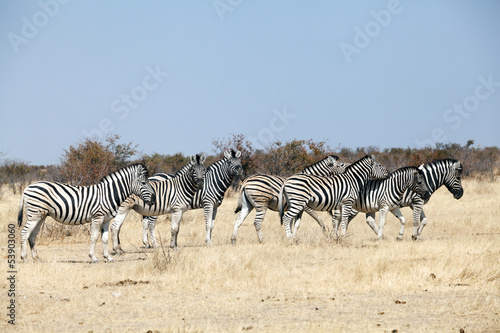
(193, 158)
(238, 154)
(333, 160)
(203, 157)
(373, 158)
(227, 154)
(458, 166)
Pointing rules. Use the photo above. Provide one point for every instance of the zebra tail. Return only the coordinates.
(280, 204)
(20, 214)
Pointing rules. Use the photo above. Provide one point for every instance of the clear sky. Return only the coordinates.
(173, 75)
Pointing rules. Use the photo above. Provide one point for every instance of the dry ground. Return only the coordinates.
(447, 282)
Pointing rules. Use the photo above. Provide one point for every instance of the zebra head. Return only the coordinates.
(418, 185)
(332, 164)
(446, 172)
(340, 167)
(198, 170)
(378, 171)
(234, 162)
(141, 186)
(453, 180)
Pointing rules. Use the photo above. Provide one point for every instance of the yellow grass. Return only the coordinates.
(450, 280)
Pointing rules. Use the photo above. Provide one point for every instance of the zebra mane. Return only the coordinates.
(183, 170)
(109, 176)
(402, 170)
(336, 158)
(216, 164)
(355, 164)
(446, 161)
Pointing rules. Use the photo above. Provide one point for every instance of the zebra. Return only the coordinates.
(218, 178)
(327, 193)
(382, 195)
(95, 204)
(172, 196)
(261, 192)
(446, 172)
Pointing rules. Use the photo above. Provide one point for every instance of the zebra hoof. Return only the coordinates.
(233, 241)
(399, 238)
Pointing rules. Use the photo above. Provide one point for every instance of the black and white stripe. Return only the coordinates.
(327, 193)
(173, 195)
(218, 178)
(382, 195)
(445, 172)
(95, 204)
(261, 192)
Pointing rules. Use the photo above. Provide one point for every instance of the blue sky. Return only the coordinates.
(173, 75)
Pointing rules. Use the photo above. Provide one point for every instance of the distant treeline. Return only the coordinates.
(92, 159)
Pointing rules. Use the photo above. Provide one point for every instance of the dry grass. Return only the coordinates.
(450, 280)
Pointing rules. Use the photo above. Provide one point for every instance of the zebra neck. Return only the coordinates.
(360, 173)
(316, 169)
(186, 184)
(402, 181)
(434, 178)
(114, 191)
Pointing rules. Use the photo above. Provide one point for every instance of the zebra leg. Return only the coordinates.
(32, 226)
(245, 210)
(286, 221)
(104, 239)
(95, 228)
(353, 214)
(259, 217)
(382, 215)
(346, 212)
(297, 223)
(145, 229)
(336, 217)
(397, 212)
(32, 237)
(116, 227)
(176, 219)
(209, 211)
(423, 222)
(151, 227)
(417, 213)
(315, 216)
(370, 220)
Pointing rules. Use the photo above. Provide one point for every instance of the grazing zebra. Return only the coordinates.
(327, 193)
(261, 192)
(382, 195)
(445, 172)
(218, 178)
(95, 204)
(172, 196)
